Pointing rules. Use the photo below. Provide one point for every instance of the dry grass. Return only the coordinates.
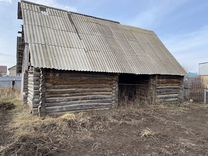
(37, 135)
(48, 135)
(120, 130)
(147, 133)
(8, 93)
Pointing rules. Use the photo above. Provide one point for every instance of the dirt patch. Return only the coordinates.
(156, 129)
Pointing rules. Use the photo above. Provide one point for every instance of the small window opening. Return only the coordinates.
(43, 10)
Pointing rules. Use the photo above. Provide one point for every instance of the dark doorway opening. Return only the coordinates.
(133, 89)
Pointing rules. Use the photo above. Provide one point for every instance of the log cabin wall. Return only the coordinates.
(63, 91)
(77, 91)
(33, 89)
(150, 89)
(24, 87)
(169, 89)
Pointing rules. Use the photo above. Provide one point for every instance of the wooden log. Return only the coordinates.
(167, 91)
(57, 73)
(47, 95)
(169, 86)
(62, 82)
(77, 98)
(78, 102)
(77, 110)
(51, 86)
(171, 100)
(67, 88)
(75, 90)
(77, 107)
(167, 95)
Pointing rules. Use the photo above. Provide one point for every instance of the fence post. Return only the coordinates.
(205, 96)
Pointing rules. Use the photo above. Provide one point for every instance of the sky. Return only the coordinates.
(182, 25)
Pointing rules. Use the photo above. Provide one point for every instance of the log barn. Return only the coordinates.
(74, 62)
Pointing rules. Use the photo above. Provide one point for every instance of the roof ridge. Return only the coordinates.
(25, 1)
(138, 28)
(203, 62)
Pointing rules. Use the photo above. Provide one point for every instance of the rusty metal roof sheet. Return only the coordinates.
(64, 40)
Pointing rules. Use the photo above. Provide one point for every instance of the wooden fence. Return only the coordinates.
(195, 89)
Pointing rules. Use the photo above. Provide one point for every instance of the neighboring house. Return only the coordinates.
(12, 71)
(3, 70)
(203, 69)
(203, 72)
(6, 82)
(192, 75)
(74, 62)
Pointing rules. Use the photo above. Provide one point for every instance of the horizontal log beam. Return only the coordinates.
(77, 98)
(77, 107)
(168, 95)
(59, 95)
(78, 102)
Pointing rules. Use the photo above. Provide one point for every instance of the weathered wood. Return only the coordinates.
(77, 98)
(42, 98)
(33, 88)
(72, 94)
(61, 91)
(77, 107)
(78, 90)
(167, 95)
(98, 85)
(115, 92)
(77, 110)
(169, 88)
(77, 102)
(69, 91)
(167, 91)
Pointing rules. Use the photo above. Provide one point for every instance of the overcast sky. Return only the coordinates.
(182, 25)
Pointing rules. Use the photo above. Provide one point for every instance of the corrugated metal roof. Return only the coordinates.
(69, 41)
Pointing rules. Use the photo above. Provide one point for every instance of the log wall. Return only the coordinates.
(57, 92)
(76, 91)
(169, 89)
(33, 89)
(24, 87)
(150, 89)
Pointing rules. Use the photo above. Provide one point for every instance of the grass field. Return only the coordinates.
(147, 129)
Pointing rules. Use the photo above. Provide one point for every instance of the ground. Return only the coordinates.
(147, 129)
